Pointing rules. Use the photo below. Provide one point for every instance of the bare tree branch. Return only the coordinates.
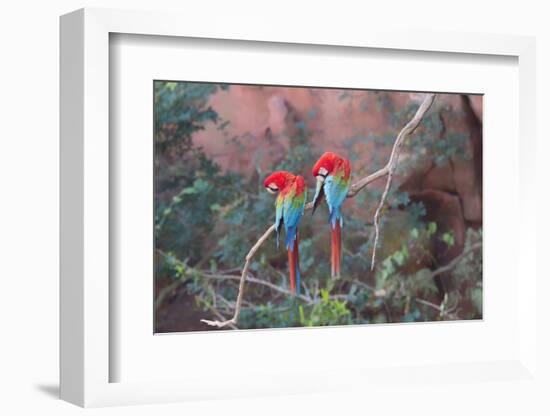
(388, 170)
(392, 165)
(361, 183)
(249, 256)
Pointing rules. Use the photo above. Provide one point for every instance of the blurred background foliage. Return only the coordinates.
(207, 218)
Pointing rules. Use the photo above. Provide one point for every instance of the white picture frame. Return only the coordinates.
(86, 356)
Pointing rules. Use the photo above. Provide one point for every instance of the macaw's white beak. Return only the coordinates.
(319, 192)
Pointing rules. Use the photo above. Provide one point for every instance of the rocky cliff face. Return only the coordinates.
(263, 118)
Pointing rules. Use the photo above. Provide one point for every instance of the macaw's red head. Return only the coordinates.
(325, 165)
(277, 181)
(328, 164)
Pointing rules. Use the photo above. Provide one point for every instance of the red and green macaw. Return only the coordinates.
(333, 175)
(289, 208)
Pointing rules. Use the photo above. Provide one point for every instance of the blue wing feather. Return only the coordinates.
(335, 195)
(293, 208)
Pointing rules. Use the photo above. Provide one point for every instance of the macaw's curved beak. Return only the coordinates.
(319, 193)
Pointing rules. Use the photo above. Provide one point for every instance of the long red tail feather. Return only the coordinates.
(336, 244)
(294, 267)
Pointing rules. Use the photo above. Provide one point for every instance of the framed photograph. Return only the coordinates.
(223, 150)
(282, 213)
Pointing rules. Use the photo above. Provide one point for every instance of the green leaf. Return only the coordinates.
(171, 85)
(405, 250)
(188, 191)
(388, 265)
(302, 316)
(449, 238)
(399, 258)
(200, 185)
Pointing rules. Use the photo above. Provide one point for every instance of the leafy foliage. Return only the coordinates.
(180, 110)
(326, 312)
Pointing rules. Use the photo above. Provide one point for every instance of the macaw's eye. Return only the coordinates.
(272, 188)
(322, 172)
(321, 178)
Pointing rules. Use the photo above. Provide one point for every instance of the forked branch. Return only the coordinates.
(388, 170)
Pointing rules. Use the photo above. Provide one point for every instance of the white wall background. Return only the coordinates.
(29, 206)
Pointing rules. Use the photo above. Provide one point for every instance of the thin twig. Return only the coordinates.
(392, 165)
(428, 303)
(252, 279)
(449, 266)
(164, 292)
(354, 189)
